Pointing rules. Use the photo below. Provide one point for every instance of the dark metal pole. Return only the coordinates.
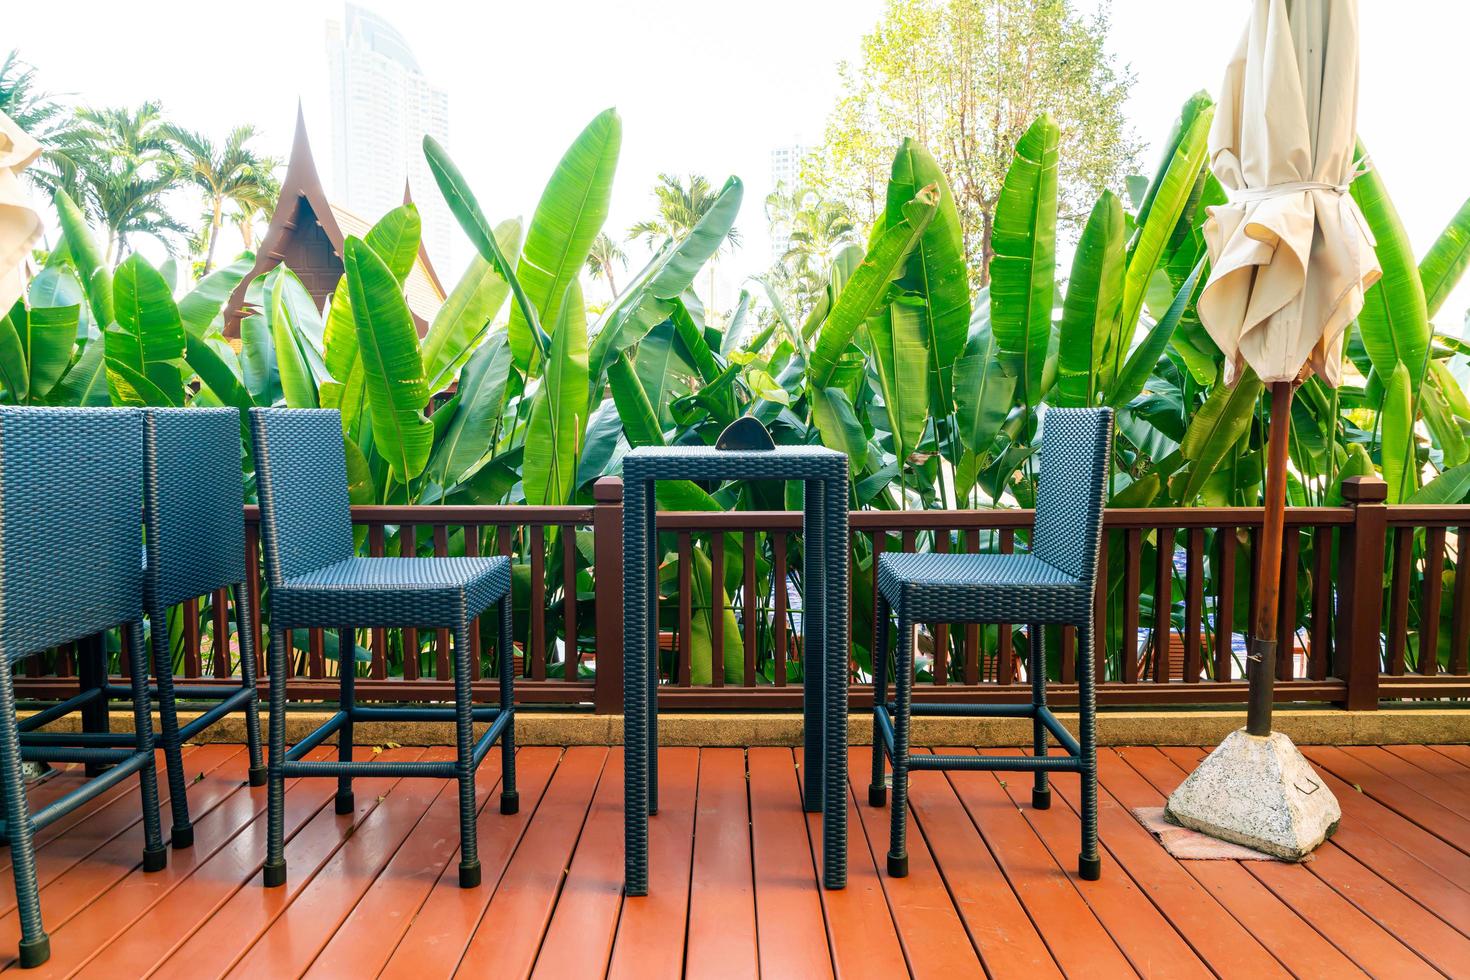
(1261, 662)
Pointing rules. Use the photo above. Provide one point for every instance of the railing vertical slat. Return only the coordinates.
(1460, 611)
(379, 635)
(1320, 653)
(193, 660)
(220, 614)
(1429, 606)
(717, 610)
(750, 609)
(941, 630)
(1225, 609)
(1194, 602)
(973, 654)
(1286, 618)
(1163, 602)
(1358, 654)
(472, 550)
(1398, 609)
(778, 584)
(685, 637)
(252, 588)
(607, 582)
(408, 548)
(572, 652)
(1005, 658)
(537, 653)
(442, 669)
(316, 657)
(1133, 559)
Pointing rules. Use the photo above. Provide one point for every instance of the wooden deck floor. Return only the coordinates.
(733, 889)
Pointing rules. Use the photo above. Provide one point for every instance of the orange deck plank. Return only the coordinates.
(1432, 786)
(293, 941)
(642, 947)
(579, 940)
(935, 941)
(374, 926)
(722, 883)
(1426, 758)
(435, 939)
(1455, 753)
(788, 906)
(1440, 821)
(233, 929)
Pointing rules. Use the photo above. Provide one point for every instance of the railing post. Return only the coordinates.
(607, 567)
(1357, 654)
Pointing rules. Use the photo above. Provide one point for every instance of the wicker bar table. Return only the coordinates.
(824, 474)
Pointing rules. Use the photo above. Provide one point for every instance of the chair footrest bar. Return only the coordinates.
(74, 703)
(73, 753)
(969, 710)
(328, 729)
(883, 728)
(1059, 730)
(130, 764)
(447, 713)
(81, 739)
(496, 729)
(443, 770)
(239, 699)
(1002, 763)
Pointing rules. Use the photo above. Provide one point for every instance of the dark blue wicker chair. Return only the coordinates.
(316, 582)
(1053, 584)
(71, 496)
(194, 523)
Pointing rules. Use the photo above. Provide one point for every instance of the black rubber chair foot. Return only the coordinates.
(1089, 869)
(898, 866)
(877, 795)
(469, 875)
(346, 803)
(182, 837)
(275, 875)
(155, 860)
(1040, 799)
(35, 952)
(510, 803)
(257, 776)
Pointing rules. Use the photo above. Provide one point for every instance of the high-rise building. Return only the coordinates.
(382, 106)
(785, 174)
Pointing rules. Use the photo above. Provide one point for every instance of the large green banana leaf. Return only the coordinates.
(95, 275)
(644, 303)
(1394, 322)
(1444, 263)
(297, 381)
(1141, 362)
(466, 210)
(481, 398)
(1167, 197)
(901, 362)
(983, 390)
(572, 210)
(215, 372)
(35, 349)
(1023, 271)
(1440, 421)
(869, 286)
(936, 268)
(1094, 301)
(559, 409)
(640, 420)
(1399, 454)
(202, 305)
(393, 372)
(464, 319)
(147, 338)
(395, 237)
(86, 383)
(838, 425)
(1213, 431)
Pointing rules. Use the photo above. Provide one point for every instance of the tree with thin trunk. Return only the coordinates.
(227, 174)
(604, 255)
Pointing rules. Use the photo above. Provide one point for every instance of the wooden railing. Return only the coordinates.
(1376, 610)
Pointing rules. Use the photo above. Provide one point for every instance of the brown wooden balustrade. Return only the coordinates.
(1375, 610)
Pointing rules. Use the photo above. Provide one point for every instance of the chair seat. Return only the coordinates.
(366, 592)
(949, 588)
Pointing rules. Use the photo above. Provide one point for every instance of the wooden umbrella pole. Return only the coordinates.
(1261, 661)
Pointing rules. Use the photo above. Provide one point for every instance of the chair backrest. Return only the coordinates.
(193, 502)
(301, 481)
(1075, 443)
(71, 530)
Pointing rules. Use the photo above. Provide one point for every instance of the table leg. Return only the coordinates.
(635, 690)
(650, 640)
(814, 648)
(834, 817)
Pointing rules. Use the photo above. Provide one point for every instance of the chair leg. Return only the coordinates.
(347, 702)
(903, 682)
(92, 675)
(464, 763)
(155, 855)
(182, 833)
(275, 836)
(35, 945)
(877, 791)
(1089, 863)
(246, 636)
(510, 798)
(1040, 788)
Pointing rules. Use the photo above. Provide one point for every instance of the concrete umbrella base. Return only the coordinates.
(1260, 792)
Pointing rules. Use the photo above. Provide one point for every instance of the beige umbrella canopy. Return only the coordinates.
(20, 223)
(1290, 255)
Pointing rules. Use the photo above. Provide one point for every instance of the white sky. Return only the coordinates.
(702, 86)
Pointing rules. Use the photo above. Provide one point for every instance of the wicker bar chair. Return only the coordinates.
(1053, 585)
(71, 495)
(194, 520)
(316, 582)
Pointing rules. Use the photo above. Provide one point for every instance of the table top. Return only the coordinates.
(707, 462)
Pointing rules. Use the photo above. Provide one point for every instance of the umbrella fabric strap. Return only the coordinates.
(1287, 189)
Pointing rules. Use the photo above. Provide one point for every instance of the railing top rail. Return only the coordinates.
(1428, 515)
(998, 518)
(433, 514)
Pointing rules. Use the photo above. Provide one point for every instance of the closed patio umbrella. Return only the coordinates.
(1290, 257)
(20, 223)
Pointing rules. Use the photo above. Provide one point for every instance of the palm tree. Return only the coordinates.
(32, 110)
(679, 210)
(605, 252)
(228, 174)
(810, 230)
